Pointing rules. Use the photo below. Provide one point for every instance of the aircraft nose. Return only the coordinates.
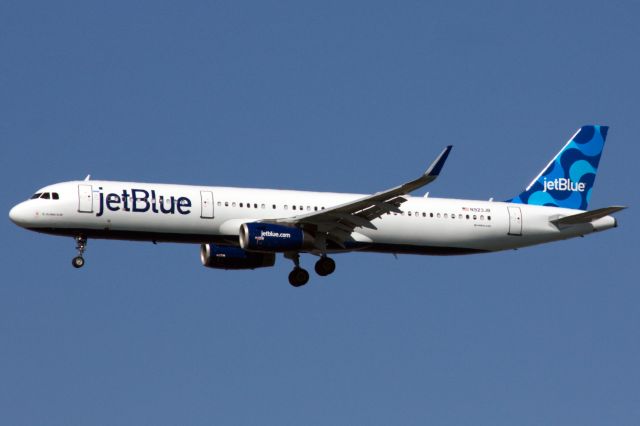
(18, 214)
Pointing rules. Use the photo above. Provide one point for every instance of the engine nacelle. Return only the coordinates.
(269, 237)
(224, 257)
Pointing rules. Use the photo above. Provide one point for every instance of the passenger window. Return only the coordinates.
(424, 214)
(233, 204)
(409, 213)
(308, 208)
(438, 215)
(226, 204)
(316, 208)
(45, 196)
(240, 204)
(430, 214)
(488, 217)
(219, 203)
(55, 196)
(481, 217)
(262, 206)
(248, 205)
(475, 217)
(459, 216)
(286, 207)
(467, 216)
(445, 216)
(293, 207)
(274, 206)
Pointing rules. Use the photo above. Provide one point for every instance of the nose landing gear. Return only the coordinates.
(81, 245)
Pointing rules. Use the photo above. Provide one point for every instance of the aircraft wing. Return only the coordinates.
(337, 223)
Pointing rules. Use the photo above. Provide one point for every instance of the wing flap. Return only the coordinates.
(353, 220)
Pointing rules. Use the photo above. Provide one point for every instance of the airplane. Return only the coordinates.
(244, 228)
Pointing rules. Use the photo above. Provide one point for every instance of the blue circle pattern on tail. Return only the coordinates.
(568, 179)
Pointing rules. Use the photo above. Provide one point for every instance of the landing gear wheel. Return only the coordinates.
(81, 246)
(298, 277)
(325, 266)
(78, 262)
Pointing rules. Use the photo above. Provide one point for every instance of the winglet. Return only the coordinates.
(435, 167)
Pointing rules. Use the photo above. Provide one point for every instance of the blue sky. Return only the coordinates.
(336, 96)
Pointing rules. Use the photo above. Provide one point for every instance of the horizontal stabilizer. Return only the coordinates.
(587, 217)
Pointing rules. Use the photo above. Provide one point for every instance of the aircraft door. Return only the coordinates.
(206, 204)
(85, 199)
(515, 221)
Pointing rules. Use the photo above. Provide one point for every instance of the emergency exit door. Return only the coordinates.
(206, 204)
(515, 221)
(85, 199)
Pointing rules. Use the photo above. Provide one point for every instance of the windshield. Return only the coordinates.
(46, 195)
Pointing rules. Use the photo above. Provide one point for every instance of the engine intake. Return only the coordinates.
(223, 257)
(268, 237)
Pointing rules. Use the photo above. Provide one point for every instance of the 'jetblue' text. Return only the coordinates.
(141, 201)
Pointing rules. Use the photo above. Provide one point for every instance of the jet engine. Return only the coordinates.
(225, 257)
(269, 237)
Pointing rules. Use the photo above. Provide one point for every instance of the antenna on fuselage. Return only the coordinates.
(87, 178)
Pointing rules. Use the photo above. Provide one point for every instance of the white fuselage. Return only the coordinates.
(201, 214)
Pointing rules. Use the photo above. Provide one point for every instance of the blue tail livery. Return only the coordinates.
(568, 179)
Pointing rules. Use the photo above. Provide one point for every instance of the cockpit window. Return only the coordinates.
(46, 196)
(55, 195)
(36, 195)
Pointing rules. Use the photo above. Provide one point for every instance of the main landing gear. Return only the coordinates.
(325, 266)
(299, 276)
(81, 245)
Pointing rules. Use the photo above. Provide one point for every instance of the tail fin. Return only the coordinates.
(568, 178)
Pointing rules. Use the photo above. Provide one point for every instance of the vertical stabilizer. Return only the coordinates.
(568, 179)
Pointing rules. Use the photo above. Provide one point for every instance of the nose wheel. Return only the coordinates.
(81, 245)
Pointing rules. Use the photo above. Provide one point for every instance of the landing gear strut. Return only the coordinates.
(81, 245)
(325, 266)
(298, 276)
